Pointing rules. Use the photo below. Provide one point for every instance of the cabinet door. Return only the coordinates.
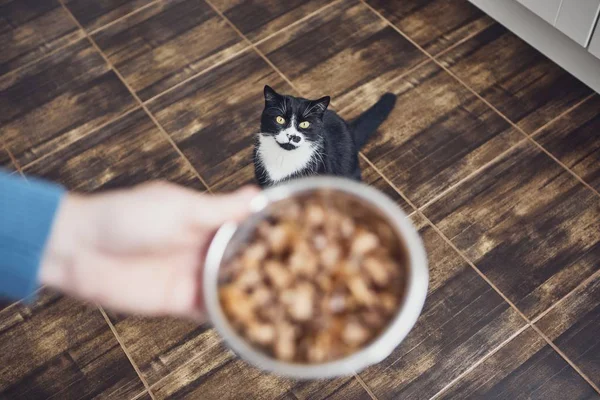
(577, 19)
(595, 42)
(547, 9)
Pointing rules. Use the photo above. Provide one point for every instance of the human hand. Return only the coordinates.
(138, 250)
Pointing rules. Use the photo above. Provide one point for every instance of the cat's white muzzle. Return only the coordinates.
(290, 137)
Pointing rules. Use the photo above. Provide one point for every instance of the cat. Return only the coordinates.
(300, 137)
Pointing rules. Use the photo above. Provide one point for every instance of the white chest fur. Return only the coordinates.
(280, 163)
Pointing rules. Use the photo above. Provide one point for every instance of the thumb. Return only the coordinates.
(213, 211)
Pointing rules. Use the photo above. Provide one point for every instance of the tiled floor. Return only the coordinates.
(493, 149)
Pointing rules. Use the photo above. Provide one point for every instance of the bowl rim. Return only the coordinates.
(380, 347)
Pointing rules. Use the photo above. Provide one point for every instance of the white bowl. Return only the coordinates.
(231, 236)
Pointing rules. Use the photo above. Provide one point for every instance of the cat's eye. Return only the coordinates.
(304, 124)
(280, 120)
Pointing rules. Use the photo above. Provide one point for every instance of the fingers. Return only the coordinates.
(211, 212)
(145, 284)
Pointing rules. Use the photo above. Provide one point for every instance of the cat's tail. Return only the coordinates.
(368, 122)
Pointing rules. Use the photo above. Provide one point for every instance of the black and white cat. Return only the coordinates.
(300, 137)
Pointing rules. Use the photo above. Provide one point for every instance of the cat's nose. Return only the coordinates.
(295, 139)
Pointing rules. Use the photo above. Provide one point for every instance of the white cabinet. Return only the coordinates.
(547, 9)
(577, 18)
(595, 42)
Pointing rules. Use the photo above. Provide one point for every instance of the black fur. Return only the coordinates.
(338, 142)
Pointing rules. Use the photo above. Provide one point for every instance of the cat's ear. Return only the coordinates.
(318, 106)
(270, 94)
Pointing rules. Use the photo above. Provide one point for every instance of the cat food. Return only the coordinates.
(313, 284)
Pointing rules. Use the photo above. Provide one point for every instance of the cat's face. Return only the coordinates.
(291, 121)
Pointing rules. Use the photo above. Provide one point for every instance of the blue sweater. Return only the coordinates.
(27, 210)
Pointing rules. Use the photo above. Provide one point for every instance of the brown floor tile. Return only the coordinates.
(434, 25)
(287, 396)
(126, 152)
(339, 50)
(575, 140)
(341, 389)
(30, 29)
(574, 326)
(159, 346)
(166, 43)
(94, 14)
(527, 224)
(526, 367)
(462, 321)
(515, 78)
(232, 378)
(245, 176)
(145, 396)
(5, 161)
(55, 101)
(437, 134)
(4, 303)
(371, 177)
(257, 19)
(60, 348)
(215, 116)
(219, 374)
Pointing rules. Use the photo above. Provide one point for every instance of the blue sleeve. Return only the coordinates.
(27, 210)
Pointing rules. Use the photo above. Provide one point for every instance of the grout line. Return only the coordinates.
(485, 278)
(103, 27)
(391, 82)
(479, 362)
(13, 160)
(122, 17)
(461, 41)
(197, 74)
(553, 120)
(135, 96)
(441, 65)
(564, 166)
(251, 44)
(11, 305)
(445, 68)
(566, 296)
(519, 128)
(440, 53)
(298, 21)
(365, 386)
(140, 395)
(43, 56)
(575, 367)
(489, 282)
(118, 337)
(471, 174)
(385, 178)
(529, 322)
(564, 356)
(185, 363)
(20, 301)
(98, 128)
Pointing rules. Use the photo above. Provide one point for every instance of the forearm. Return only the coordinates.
(27, 213)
